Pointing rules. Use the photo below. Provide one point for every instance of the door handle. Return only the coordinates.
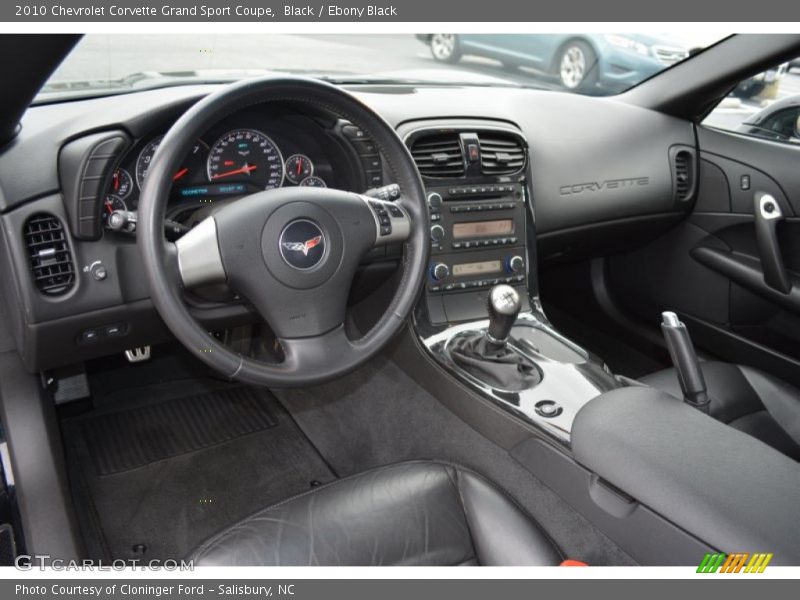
(767, 216)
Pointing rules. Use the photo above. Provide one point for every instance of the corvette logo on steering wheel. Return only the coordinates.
(303, 247)
(302, 244)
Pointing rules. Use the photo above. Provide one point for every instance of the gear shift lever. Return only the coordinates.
(504, 306)
(485, 354)
(684, 357)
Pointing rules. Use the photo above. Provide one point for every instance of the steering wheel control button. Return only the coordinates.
(302, 244)
(547, 409)
(392, 223)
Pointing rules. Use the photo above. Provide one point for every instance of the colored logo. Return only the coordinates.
(742, 562)
(302, 244)
(303, 247)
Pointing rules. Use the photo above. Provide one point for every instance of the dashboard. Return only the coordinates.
(75, 164)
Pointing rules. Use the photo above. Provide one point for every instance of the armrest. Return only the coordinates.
(723, 486)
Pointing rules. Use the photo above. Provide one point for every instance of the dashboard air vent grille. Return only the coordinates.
(439, 155)
(51, 261)
(683, 175)
(501, 154)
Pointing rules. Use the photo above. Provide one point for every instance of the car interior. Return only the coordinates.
(284, 321)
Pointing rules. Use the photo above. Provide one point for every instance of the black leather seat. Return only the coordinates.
(414, 513)
(746, 399)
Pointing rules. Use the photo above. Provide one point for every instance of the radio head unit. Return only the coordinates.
(478, 240)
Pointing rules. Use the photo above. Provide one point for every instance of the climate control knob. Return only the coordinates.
(437, 233)
(434, 201)
(516, 264)
(440, 271)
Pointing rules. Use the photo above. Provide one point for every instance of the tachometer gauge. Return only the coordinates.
(111, 204)
(193, 162)
(121, 183)
(298, 168)
(313, 181)
(143, 162)
(246, 155)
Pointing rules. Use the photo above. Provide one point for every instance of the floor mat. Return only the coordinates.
(165, 466)
(133, 438)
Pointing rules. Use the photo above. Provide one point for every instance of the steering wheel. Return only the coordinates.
(291, 252)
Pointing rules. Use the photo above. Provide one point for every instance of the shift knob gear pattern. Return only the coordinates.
(504, 306)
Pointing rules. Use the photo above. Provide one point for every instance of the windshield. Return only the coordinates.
(597, 64)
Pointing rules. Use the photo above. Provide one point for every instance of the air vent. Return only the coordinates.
(51, 262)
(683, 175)
(500, 154)
(438, 155)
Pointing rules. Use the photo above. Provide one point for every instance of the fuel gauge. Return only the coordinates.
(298, 168)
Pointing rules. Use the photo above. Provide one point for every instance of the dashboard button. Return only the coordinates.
(434, 200)
(115, 330)
(90, 335)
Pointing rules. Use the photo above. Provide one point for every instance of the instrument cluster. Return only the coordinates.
(243, 155)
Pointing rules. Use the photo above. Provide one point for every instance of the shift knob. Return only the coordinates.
(504, 306)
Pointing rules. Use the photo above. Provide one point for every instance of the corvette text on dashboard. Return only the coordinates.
(156, 11)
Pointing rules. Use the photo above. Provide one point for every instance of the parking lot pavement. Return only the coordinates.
(733, 111)
(391, 56)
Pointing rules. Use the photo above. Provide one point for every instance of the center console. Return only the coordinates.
(482, 236)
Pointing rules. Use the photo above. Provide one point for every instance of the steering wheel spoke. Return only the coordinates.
(199, 258)
(313, 355)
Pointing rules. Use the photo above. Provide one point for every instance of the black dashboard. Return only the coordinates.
(74, 164)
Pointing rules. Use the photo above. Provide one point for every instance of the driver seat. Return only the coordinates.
(413, 513)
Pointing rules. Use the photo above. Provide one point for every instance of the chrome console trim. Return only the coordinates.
(569, 384)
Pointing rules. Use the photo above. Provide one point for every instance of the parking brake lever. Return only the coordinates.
(684, 357)
(767, 216)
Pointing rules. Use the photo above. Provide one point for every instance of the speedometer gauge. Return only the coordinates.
(246, 155)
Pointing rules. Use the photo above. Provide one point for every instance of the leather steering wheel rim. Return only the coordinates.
(309, 359)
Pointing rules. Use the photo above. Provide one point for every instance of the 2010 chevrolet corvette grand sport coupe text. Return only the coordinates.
(323, 300)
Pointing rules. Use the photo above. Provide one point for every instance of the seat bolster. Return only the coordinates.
(502, 533)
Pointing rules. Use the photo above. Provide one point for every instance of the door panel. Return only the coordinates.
(711, 268)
